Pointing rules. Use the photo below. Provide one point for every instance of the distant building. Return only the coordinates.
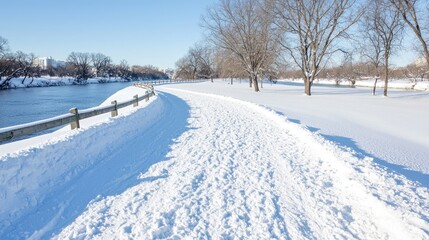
(45, 62)
(61, 63)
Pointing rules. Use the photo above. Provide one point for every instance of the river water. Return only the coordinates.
(25, 105)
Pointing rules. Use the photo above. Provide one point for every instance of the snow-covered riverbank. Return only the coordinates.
(56, 81)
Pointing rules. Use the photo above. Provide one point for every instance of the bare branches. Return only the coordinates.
(383, 32)
(101, 64)
(311, 28)
(244, 28)
(81, 63)
(199, 62)
(409, 10)
(4, 48)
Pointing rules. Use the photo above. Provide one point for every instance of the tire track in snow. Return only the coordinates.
(243, 171)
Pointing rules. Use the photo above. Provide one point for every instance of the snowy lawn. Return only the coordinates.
(341, 164)
(392, 130)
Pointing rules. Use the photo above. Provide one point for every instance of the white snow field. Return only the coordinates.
(194, 164)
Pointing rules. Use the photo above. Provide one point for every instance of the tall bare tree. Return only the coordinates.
(228, 66)
(312, 29)
(372, 46)
(13, 65)
(199, 62)
(25, 63)
(187, 67)
(81, 63)
(101, 64)
(123, 70)
(385, 23)
(4, 47)
(413, 13)
(243, 27)
(205, 61)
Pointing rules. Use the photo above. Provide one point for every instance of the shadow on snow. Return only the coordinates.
(415, 176)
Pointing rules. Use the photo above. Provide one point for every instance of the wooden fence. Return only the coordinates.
(74, 116)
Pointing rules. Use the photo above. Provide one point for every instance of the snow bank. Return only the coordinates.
(56, 81)
(34, 170)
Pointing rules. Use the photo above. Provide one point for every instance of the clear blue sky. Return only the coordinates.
(156, 32)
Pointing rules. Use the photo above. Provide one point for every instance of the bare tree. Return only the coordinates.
(199, 62)
(7, 64)
(25, 63)
(228, 66)
(13, 65)
(123, 70)
(4, 47)
(413, 14)
(9, 69)
(186, 67)
(101, 64)
(243, 27)
(205, 61)
(344, 71)
(384, 26)
(372, 47)
(81, 63)
(312, 28)
(416, 72)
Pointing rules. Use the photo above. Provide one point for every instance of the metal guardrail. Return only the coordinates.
(73, 117)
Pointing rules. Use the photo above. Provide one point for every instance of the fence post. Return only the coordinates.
(76, 123)
(136, 98)
(114, 113)
(147, 96)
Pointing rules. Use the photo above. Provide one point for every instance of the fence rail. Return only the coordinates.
(73, 117)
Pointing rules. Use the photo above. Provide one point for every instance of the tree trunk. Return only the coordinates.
(261, 83)
(375, 86)
(307, 84)
(23, 80)
(232, 81)
(250, 81)
(255, 82)
(211, 78)
(386, 75)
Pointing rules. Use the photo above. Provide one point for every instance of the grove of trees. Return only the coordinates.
(79, 66)
(308, 39)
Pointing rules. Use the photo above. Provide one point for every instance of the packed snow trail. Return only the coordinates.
(243, 171)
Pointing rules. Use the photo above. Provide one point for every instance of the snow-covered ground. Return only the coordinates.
(393, 130)
(199, 162)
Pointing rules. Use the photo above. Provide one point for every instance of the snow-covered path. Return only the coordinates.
(240, 170)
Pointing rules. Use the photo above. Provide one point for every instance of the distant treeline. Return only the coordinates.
(78, 65)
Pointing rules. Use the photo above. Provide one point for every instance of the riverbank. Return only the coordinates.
(48, 81)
